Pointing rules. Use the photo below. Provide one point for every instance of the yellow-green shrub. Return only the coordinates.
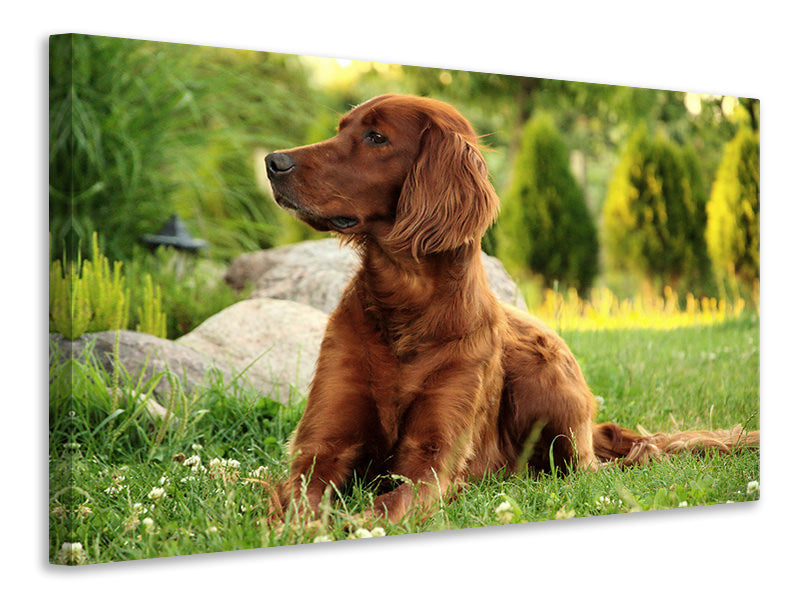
(91, 295)
(732, 233)
(150, 315)
(654, 216)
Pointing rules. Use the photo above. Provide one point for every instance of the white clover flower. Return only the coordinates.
(228, 469)
(138, 507)
(197, 447)
(321, 538)
(378, 532)
(363, 533)
(148, 524)
(602, 501)
(259, 472)
(504, 512)
(163, 481)
(192, 461)
(71, 553)
(157, 493)
(683, 504)
(752, 487)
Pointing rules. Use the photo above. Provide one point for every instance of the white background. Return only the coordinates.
(743, 49)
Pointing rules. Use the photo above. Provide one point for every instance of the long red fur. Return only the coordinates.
(423, 373)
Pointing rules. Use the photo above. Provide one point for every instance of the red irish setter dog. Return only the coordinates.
(423, 372)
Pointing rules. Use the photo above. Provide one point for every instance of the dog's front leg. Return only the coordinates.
(435, 443)
(336, 430)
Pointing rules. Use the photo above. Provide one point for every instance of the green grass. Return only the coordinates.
(108, 455)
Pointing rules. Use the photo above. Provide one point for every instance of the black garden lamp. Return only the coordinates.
(175, 235)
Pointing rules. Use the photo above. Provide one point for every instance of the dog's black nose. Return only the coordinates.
(279, 163)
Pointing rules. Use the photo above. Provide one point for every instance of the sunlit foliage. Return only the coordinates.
(733, 233)
(545, 225)
(654, 216)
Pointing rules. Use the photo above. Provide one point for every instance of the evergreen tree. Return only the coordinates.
(733, 211)
(545, 225)
(654, 216)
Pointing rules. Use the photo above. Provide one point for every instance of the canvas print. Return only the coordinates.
(297, 300)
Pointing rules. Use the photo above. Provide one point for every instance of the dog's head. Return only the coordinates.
(404, 170)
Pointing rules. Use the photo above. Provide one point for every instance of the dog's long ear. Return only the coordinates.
(446, 199)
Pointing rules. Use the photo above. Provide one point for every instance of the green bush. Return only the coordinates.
(164, 293)
(91, 295)
(545, 225)
(192, 287)
(733, 210)
(654, 215)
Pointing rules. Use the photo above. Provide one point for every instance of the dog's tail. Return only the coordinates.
(628, 447)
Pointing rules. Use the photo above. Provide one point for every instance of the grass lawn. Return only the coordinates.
(125, 485)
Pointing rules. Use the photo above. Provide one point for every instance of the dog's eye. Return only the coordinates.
(375, 138)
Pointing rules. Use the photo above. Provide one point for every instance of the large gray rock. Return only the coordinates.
(268, 345)
(316, 272)
(141, 355)
(313, 272)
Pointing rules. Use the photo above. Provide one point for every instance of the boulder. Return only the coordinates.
(141, 355)
(268, 346)
(315, 272)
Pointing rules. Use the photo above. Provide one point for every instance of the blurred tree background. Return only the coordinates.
(654, 216)
(601, 185)
(141, 130)
(545, 228)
